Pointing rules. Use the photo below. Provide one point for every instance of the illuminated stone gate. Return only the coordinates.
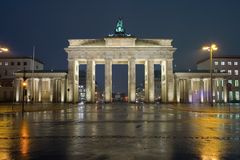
(120, 48)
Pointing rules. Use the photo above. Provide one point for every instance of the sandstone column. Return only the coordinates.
(90, 83)
(28, 89)
(40, 90)
(209, 90)
(51, 91)
(132, 80)
(164, 82)
(201, 90)
(17, 86)
(108, 80)
(170, 80)
(181, 88)
(73, 80)
(225, 91)
(151, 81)
(190, 91)
(146, 87)
(214, 88)
(204, 90)
(178, 90)
(36, 89)
(185, 91)
(62, 90)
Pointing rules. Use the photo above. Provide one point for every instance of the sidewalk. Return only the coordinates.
(36, 107)
(206, 108)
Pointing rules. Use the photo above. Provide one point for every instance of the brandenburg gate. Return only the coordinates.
(120, 48)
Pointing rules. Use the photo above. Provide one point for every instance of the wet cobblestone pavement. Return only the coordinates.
(120, 132)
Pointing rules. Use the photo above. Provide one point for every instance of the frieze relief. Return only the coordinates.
(120, 54)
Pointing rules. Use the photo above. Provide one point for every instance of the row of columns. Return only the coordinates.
(73, 80)
(198, 90)
(41, 90)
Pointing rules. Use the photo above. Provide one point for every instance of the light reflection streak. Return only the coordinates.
(5, 145)
(24, 137)
(81, 116)
(210, 149)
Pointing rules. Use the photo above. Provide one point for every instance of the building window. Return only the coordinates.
(12, 63)
(18, 63)
(215, 70)
(235, 63)
(6, 63)
(235, 72)
(216, 63)
(0, 63)
(236, 83)
(222, 63)
(229, 63)
(24, 63)
(230, 81)
(222, 70)
(237, 95)
(229, 72)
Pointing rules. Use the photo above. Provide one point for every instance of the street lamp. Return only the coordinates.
(210, 49)
(24, 85)
(3, 49)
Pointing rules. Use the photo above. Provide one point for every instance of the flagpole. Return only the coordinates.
(33, 61)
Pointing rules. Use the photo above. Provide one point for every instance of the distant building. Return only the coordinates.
(119, 97)
(82, 93)
(82, 88)
(140, 93)
(10, 65)
(229, 65)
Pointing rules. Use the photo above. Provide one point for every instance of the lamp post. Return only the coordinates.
(211, 48)
(24, 85)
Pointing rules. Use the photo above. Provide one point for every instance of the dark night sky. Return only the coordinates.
(48, 24)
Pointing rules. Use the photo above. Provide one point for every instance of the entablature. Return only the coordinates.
(121, 53)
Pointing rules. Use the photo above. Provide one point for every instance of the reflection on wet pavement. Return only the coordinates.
(119, 131)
